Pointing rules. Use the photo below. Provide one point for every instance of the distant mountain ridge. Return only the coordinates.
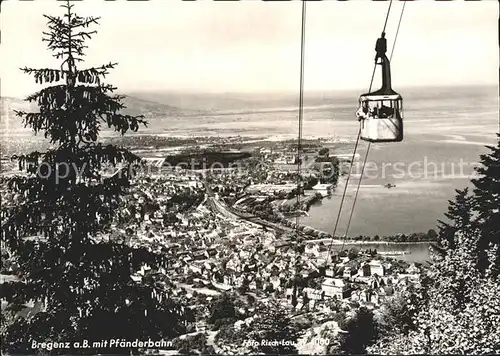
(170, 104)
(152, 109)
(242, 103)
(133, 106)
(214, 103)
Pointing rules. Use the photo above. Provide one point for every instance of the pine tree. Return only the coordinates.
(460, 216)
(460, 311)
(487, 201)
(481, 210)
(64, 200)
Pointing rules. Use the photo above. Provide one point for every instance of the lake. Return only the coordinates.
(446, 130)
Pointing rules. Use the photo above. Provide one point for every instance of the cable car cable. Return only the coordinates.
(299, 140)
(369, 143)
(357, 190)
(344, 193)
(387, 16)
(397, 31)
(301, 112)
(354, 155)
(350, 166)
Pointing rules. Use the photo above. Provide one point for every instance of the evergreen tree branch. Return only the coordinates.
(57, 223)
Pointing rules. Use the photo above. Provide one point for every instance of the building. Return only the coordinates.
(362, 296)
(335, 287)
(199, 255)
(376, 267)
(312, 249)
(330, 272)
(376, 281)
(349, 272)
(323, 189)
(364, 270)
(313, 294)
(285, 159)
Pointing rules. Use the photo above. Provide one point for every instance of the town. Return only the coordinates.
(231, 231)
(179, 185)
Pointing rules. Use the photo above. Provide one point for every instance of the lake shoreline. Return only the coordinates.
(389, 242)
(380, 242)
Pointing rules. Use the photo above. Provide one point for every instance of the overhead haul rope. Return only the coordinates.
(299, 140)
(354, 155)
(369, 143)
(301, 113)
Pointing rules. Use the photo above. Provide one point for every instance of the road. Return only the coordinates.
(205, 291)
(222, 209)
(257, 222)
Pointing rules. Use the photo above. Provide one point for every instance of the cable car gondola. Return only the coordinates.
(381, 112)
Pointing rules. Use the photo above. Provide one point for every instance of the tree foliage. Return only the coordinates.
(460, 217)
(193, 344)
(398, 313)
(359, 331)
(460, 309)
(271, 331)
(460, 314)
(222, 308)
(479, 211)
(273, 323)
(487, 203)
(66, 203)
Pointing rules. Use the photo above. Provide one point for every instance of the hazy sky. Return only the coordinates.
(255, 46)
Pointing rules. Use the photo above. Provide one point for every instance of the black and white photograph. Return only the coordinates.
(249, 177)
